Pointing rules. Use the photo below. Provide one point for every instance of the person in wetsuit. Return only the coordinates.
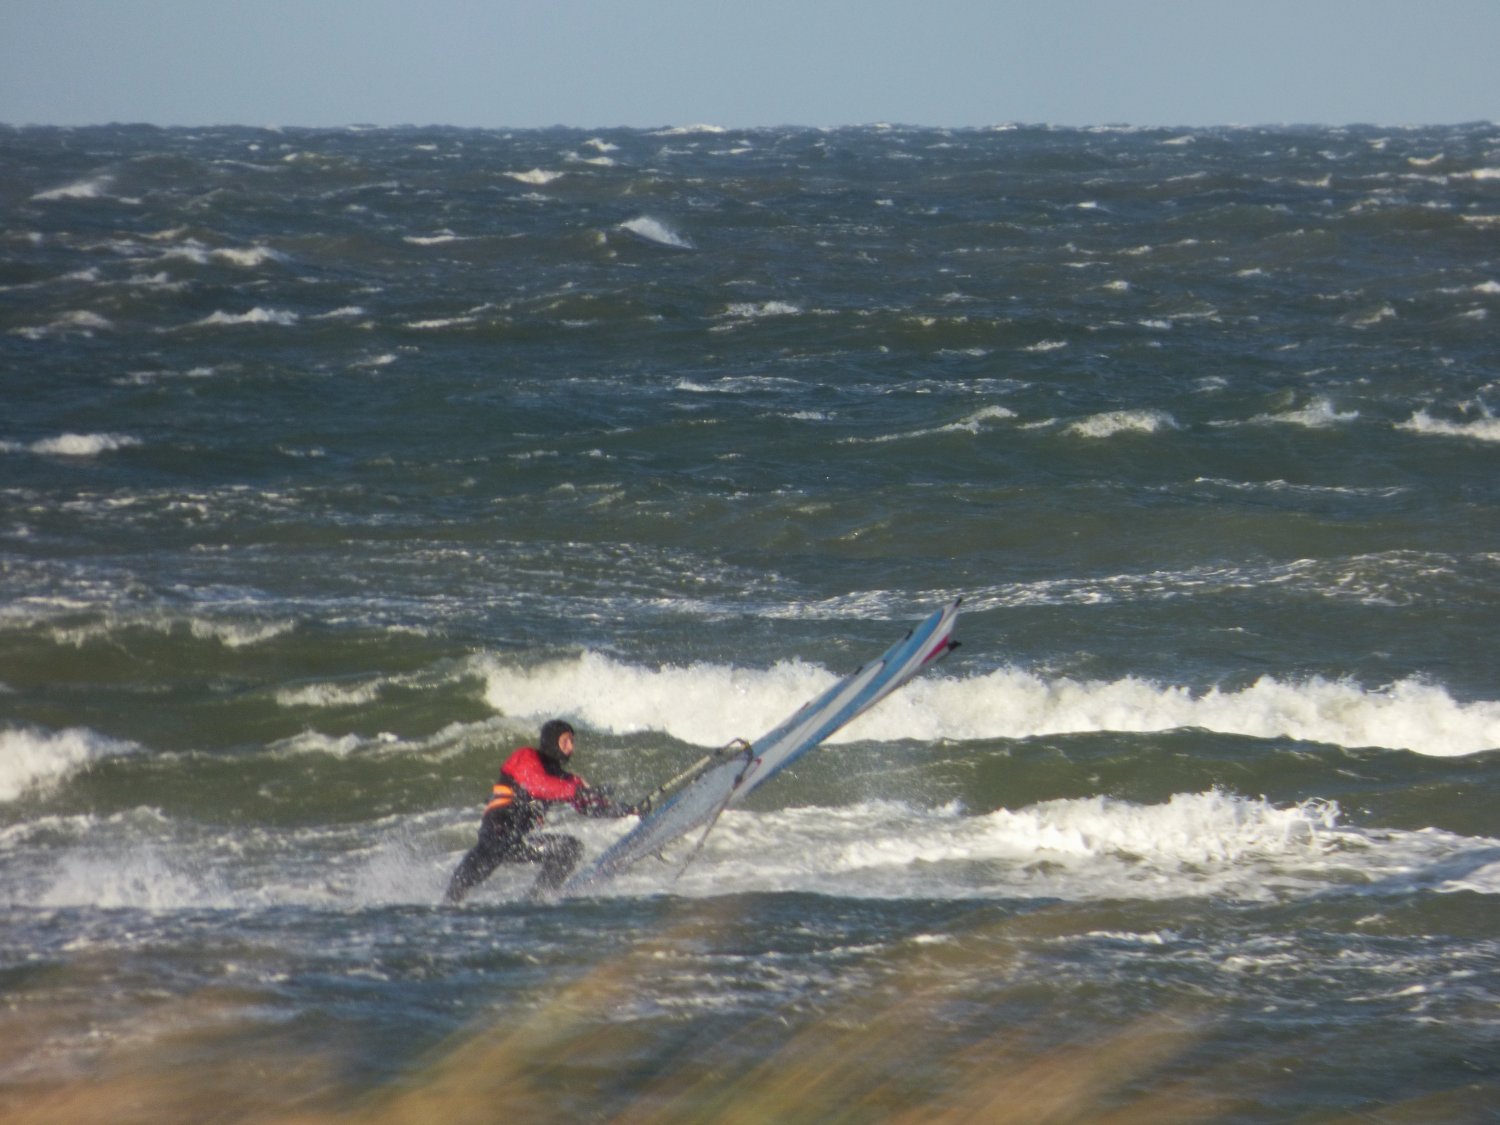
(531, 779)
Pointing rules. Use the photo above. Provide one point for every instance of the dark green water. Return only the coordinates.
(332, 463)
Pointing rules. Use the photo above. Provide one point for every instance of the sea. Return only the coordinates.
(333, 462)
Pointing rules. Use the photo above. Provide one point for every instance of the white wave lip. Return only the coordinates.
(699, 704)
(974, 423)
(1316, 415)
(240, 634)
(750, 310)
(1082, 849)
(442, 238)
(140, 877)
(231, 633)
(32, 759)
(245, 258)
(536, 176)
(656, 231)
(74, 445)
(337, 746)
(1078, 849)
(328, 695)
(1114, 422)
(709, 705)
(80, 189)
(1480, 429)
(79, 322)
(698, 129)
(1193, 842)
(1408, 715)
(281, 318)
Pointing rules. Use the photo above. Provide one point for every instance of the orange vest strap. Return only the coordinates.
(504, 797)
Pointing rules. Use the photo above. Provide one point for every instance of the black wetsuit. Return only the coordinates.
(528, 783)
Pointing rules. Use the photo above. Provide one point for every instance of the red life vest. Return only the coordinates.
(525, 776)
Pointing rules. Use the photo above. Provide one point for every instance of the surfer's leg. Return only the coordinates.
(473, 869)
(558, 855)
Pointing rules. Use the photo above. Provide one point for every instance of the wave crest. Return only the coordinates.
(35, 759)
(1122, 422)
(709, 705)
(654, 230)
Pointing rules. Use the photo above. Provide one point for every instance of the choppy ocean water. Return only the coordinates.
(333, 462)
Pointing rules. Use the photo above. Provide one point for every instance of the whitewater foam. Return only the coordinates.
(245, 258)
(1318, 414)
(33, 759)
(1115, 422)
(537, 176)
(79, 189)
(1480, 429)
(280, 317)
(74, 445)
(232, 634)
(1191, 845)
(655, 231)
(699, 129)
(1086, 849)
(144, 876)
(329, 695)
(442, 238)
(974, 423)
(709, 705)
(749, 310)
(337, 746)
(79, 322)
(1408, 715)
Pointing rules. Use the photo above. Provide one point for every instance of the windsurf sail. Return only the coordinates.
(726, 777)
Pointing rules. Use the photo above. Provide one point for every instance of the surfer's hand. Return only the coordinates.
(598, 800)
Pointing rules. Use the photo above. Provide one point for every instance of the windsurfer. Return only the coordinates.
(531, 779)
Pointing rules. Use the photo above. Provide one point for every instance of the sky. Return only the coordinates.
(742, 63)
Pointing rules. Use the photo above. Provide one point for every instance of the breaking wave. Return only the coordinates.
(34, 759)
(710, 704)
(654, 230)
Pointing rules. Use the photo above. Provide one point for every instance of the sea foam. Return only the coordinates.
(974, 423)
(34, 759)
(80, 189)
(138, 876)
(1094, 848)
(711, 704)
(1317, 414)
(654, 230)
(279, 317)
(1480, 429)
(536, 176)
(74, 445)
(246, 258)
(1122, 422)
(79, 322)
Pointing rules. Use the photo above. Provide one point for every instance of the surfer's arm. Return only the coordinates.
(601, 803)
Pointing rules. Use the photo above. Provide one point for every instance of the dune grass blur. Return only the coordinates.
(918, 1052)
